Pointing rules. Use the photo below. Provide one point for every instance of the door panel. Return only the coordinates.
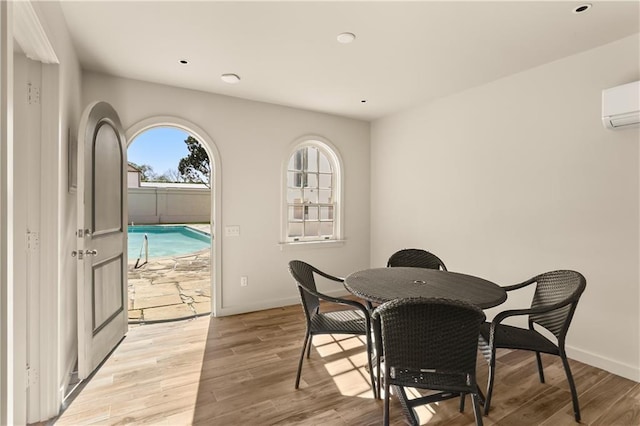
(107, 191)
(106, 290)
(102, 268)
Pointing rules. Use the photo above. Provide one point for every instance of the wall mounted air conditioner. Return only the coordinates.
(621, 106)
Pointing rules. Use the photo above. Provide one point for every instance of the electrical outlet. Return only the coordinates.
(244, 281)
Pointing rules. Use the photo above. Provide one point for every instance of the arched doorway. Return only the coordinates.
(190, 295)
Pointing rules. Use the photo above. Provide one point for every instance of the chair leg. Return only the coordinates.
(572, 386)
(378, 373)
(385, 416)
(475, 400)
(462, 397)
(374, 385)
(377, 335)
(492, 368)
(307, 341)
(407, 407)
(309, 347)
(540, 370)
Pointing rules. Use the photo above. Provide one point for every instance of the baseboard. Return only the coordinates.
(271, 304)
(618, 368)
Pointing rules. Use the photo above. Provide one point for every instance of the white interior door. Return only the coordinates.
(102, 255)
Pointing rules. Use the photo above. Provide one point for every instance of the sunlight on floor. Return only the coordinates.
(354, 383)
(328, 344)
(424, 412)
(349, 372)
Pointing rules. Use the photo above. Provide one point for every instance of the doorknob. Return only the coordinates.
(80, 254)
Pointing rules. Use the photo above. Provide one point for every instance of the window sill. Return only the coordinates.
(296, 245)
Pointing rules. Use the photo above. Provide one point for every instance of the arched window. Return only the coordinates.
(312, 193)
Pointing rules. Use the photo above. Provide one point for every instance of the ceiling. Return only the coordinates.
(286, 52)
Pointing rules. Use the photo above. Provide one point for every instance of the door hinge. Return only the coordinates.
(33, 94)
(32, 377)
(33, 241)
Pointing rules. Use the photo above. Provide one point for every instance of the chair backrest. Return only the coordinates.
(552, 288)
(430, 333)
(302, 272)
(416, 258)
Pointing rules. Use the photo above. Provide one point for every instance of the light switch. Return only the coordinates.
(232, 231)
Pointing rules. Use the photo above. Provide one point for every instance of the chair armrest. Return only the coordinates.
(328, 276)
(516, 312)
(510, 313)
(520, 285)
(338, 300)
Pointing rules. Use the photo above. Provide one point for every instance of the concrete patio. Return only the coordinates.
(169, 288)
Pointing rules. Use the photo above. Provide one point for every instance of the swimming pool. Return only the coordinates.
(166, 240)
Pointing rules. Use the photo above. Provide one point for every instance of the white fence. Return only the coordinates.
(169, 205)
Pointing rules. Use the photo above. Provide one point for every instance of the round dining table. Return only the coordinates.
(379, 285)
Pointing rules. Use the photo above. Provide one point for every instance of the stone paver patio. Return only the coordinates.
(168, 288)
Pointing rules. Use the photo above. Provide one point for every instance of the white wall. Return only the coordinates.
(519, 177)
(252, 140)
(168, 205)
(133, 179)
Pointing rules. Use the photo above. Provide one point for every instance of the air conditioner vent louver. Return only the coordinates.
(623, 120)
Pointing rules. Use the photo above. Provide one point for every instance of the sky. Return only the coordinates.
(160, 147)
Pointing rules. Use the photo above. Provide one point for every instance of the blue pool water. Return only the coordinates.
(166, 240)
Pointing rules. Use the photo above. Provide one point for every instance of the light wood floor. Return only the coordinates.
(240, 370)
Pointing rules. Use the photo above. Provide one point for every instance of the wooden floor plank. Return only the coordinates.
(626, 411)
(240, 370)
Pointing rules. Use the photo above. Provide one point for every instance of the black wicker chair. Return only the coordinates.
(355, 321)
(416, 258)
(554, 303)
(430, 344)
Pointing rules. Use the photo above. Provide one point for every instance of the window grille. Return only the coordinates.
(311, 195)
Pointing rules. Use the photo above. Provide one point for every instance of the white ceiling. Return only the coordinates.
(286, 52)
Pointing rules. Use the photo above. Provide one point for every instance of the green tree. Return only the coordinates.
(195, 166)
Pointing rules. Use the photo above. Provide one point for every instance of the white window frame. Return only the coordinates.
(335, 161)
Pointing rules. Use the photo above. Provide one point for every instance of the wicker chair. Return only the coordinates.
(554, 303)
(416, 258)
(355, 321)
(430, 344)
(410, 257)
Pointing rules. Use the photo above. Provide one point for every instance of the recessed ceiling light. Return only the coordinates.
(582, 8)
(230, 78)
(346, 38)
(184, 61)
